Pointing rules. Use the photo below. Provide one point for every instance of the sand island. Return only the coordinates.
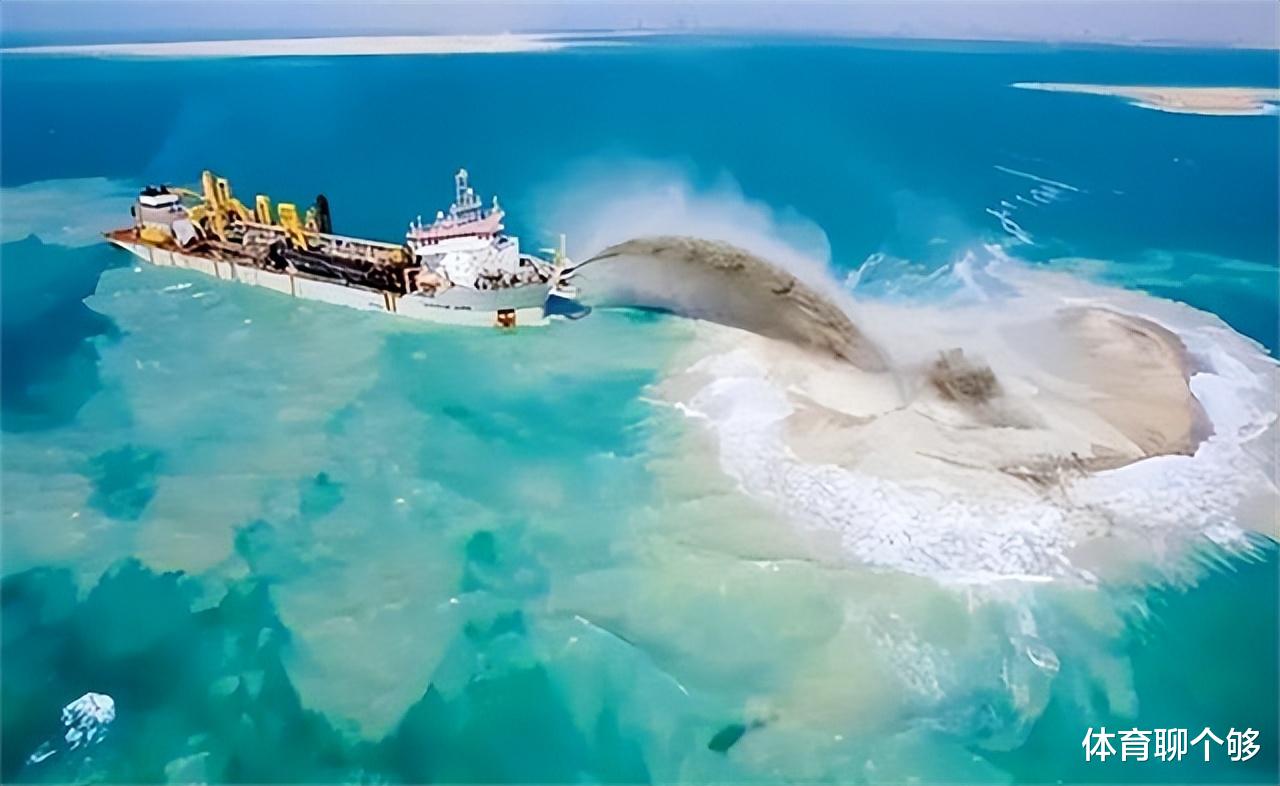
(1182, 100)
(1053, 434)
(323, 46)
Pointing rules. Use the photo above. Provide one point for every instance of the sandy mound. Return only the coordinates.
(1112, 389)
(1084, 388)
(1137, 372)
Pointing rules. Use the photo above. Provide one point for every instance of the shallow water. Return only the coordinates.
(300, 543)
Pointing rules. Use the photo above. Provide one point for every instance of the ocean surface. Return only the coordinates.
(299, 543)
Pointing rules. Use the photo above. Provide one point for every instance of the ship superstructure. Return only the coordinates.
(461, 268)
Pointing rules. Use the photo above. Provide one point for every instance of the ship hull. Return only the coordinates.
(519, 306)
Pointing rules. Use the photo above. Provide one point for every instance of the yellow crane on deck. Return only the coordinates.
(218, 209)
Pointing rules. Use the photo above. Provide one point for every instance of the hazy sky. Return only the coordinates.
(1225, 22)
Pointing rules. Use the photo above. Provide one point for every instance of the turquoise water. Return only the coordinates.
(295, 543)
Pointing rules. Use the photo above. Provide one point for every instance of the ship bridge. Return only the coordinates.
(466, 218)
(468, 241)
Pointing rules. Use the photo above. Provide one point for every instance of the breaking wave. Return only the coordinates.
(1043, 192)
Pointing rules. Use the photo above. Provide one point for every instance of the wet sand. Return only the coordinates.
(1077, 389)
(1112, 390)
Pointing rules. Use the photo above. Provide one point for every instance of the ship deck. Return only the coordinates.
(522, 304)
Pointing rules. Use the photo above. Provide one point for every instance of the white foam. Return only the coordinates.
(1042, 180)
(1009, 225)
(878, 521)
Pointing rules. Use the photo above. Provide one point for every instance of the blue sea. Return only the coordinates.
(299, 543)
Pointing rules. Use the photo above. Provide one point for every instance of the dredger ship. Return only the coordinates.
(461, 268)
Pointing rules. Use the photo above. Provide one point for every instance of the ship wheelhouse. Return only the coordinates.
(467, 244)
(158, 197)
(160, 211)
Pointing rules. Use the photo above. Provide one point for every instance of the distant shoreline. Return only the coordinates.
(328, 46)
(1217, 101)
(318, 45)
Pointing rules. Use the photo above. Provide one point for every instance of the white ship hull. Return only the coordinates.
(457, 305)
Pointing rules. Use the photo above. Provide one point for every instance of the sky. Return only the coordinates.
(1214, 22)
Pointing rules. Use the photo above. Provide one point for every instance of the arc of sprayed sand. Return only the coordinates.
(718, 282)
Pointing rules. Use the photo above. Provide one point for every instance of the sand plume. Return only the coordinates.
(719, 282)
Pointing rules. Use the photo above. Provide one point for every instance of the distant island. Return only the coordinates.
(324, 46)
(1183, 100)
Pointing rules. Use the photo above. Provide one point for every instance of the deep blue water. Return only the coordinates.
(888, 148)
(884, 148)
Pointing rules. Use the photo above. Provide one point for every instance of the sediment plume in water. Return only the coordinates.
(719, 282)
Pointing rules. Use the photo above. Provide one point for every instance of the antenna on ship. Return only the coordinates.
(460, 184)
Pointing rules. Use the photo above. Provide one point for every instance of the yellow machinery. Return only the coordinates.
(262, 209)
(219, 208)
(292, 226)
(559, 260)
(156, 237)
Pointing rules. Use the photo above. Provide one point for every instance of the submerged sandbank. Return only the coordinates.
(1183, 100)
(312, 47)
